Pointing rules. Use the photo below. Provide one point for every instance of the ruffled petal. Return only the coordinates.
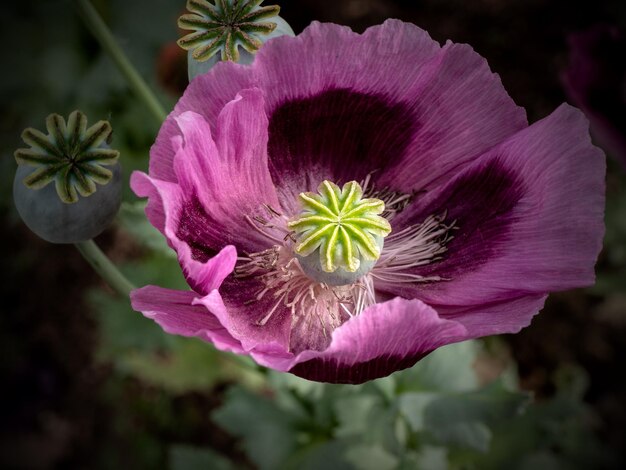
(463, 110)
(174, 311)
(496, 318)
(142, 185)
(341, 110)
(324, 57)
(379, 102)
(203, 97)
(342, 105)
(529, 214)
(386, 337)
(244, 320)
(204, 267)
(222, 186)
(229, 176)
(353, 104)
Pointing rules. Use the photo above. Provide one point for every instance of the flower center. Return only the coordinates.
(339, 234)
(290, 274)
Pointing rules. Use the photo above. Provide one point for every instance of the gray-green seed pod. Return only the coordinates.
(86, 193)
(229, 30)
(57, 222)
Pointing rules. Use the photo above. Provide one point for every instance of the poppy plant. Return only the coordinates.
(349, 202)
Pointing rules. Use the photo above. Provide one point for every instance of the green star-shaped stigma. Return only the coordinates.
(224, 26)
(72, 155)
(343, 226)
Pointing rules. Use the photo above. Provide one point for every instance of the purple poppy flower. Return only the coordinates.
(349, 203)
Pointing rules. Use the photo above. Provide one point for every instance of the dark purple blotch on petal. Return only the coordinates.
(205, 235)
(338, 134)
(194, 229)
(332, 371)
(481, 204)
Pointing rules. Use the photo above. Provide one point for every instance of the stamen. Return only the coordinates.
(414, 246)
(265, 319)
(281, 277)
(259, 224)
(395, 201)
(273, 212)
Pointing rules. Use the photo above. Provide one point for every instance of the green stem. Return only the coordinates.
(105, 268)
(107, 41)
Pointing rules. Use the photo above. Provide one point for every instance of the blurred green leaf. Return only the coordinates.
(187, 365)
(269, 436)
(371, 457)
(303, 387)
(156, 269)
(353, 414)
(122, 329)
(467, 434)
(462, 419)
(491, 404)
(383, 429)
(428, 458)
(448, 368)
(387, 386)
(327, 455)
(555, 432)
(412, 406)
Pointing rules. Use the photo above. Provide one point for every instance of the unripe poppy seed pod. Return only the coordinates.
(244, 26)
(74, 157)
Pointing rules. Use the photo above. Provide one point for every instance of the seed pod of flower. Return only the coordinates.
(74, 157)
(228, 30)
(339, 233)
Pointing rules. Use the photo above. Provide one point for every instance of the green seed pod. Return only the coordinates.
(228, 30)
(339, 233)
(86, 193)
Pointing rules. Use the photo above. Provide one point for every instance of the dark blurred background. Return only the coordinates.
(66, 403)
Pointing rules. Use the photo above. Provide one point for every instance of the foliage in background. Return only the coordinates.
(78, 75)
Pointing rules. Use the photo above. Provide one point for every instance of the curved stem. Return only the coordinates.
(104, 267)
(107, 41)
